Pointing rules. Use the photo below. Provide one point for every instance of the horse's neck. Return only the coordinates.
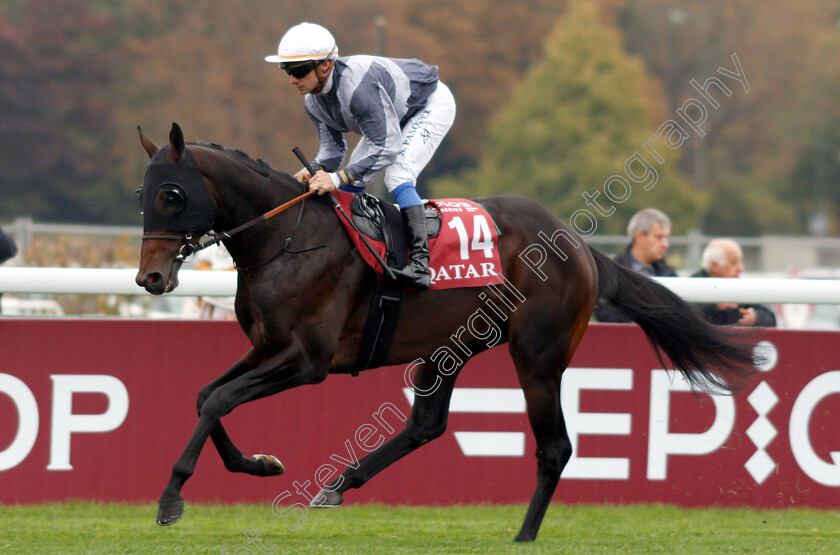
(242, 195)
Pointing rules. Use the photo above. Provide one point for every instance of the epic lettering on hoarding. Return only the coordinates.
(637, 434)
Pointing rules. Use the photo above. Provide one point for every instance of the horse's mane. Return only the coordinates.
(258, 165)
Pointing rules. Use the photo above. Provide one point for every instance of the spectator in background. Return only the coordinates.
(723, 258)
(8, 249)
(648, 231)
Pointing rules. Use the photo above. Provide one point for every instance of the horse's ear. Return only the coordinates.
(176, 142)
(150, 147)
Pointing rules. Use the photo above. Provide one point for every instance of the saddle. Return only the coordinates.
(381, 221)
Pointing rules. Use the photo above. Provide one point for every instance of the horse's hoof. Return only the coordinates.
(271, 464)
(524, 538)
(326, 499)
(170, 512)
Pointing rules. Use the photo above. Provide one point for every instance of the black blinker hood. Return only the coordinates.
(199, 212)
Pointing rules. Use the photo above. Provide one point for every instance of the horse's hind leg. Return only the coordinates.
(553, 448)
(541, 349)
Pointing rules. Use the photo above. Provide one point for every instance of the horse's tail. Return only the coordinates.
(712, 358)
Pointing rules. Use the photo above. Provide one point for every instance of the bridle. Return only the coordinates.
(186, 249)
(189, 248)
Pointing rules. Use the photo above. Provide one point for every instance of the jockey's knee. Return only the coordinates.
(406, 195)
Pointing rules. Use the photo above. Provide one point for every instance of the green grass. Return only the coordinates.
(96, 528)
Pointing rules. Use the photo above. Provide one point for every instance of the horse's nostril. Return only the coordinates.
(154, 283)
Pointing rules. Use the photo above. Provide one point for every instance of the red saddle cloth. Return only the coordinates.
(464, 254)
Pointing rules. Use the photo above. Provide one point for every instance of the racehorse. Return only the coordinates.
(303, 294)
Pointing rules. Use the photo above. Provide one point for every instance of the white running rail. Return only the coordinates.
(94, 281)
(223, 284)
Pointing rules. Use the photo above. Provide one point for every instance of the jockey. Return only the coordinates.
(399, 107)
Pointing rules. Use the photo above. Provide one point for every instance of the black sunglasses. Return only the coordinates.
(301, 71)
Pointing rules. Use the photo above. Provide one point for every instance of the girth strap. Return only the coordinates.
(381, 323)
(386, 303)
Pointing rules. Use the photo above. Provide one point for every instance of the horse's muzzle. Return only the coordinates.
(154, 283)
(158, 283)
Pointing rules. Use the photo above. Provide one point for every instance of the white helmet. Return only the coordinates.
(304, 42)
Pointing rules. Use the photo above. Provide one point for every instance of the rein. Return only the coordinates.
(188, 249)
(219, 237)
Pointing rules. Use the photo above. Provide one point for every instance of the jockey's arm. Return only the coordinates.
(332, 148)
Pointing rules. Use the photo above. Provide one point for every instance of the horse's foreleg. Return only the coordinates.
(235, 461)
(233, 458)
(272, 376)
(171, 504)
(427, 421)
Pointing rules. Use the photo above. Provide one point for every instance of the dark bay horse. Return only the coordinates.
(304, 310)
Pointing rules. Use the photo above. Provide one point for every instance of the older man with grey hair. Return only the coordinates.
(723, 258)
(648, 231)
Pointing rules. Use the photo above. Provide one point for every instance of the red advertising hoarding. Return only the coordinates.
(101, 409)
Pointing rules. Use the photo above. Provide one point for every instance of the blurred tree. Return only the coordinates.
(483, 48)
(201, 64)
(55, 121)
(77, 77)
(756, 143)
(580, 113)
(812, 186)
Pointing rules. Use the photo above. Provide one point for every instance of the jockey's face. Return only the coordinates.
(309, 82)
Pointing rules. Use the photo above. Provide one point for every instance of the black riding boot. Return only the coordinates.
(416, 272)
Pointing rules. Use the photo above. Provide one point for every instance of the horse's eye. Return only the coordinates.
(170, 200)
